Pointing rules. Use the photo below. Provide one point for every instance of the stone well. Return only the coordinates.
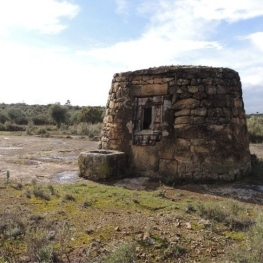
(178, 123)
(100, 164)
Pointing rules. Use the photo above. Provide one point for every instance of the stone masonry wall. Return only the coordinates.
(179, 122)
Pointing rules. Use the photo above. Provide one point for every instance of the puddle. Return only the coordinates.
(66, 177)
(258, 188)
(52, 158)
(11, 148)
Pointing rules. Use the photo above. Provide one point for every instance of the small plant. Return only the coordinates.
(69, 197)
(64, 237)
(39, 247)
(40, 192)
(7, 176)
(18, 186)
(211, 211)
(252, 251)
(174, 251)
(34, 182)
(51, 189)
(190, 208)
(124, 253)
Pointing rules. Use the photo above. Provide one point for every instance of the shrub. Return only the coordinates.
(124, 253)
(255, 128)
(39, 247)
(3, 118)
(40, 192)
(83, 128)
(91, 115)
(59, 114)
(252, 251)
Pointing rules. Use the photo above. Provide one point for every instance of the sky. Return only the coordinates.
(57, 50)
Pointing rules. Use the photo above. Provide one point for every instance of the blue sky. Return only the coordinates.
(54, 51)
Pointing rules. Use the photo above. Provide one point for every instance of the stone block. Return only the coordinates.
(99, 165)
(199, 112)
(202, 149)
(154, 90)
(183, 112)
(188, 103)
(220, 101)
(200, 95)
(215, 112)
(193, 89)
(184, 157)
(207, 103)
(145, 158)
(168, 167)
(199, 120)
(193, 167)
(168, 149)
(208, 81)
(158, 80)
(221, 90)
(182, 82)
(211, 90)
(183, 120)
(238, 102)
(230, 101)
(196, 142)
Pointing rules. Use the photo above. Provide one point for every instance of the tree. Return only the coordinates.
(58, 113)
(68, 103)
(17, 116)
(91, 115)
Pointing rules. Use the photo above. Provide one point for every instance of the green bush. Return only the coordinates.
(91, 115)
(59, 114)
(255, 128)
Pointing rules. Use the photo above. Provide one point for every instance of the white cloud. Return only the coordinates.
(122, 6)
(257, 39)
(181, 32)
(36, 75)
(230, 11)
(42, 15)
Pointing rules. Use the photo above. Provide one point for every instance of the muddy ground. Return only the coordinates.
(54, 160)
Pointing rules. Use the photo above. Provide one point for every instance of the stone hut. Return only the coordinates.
(178, 123)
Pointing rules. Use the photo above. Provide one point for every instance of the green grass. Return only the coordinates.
(85, 222)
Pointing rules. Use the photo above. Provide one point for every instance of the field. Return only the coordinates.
(49, 214)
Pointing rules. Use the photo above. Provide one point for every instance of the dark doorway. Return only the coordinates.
(147, 118)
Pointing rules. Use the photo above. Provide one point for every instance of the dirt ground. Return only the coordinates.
(45, 159)
(54, 160)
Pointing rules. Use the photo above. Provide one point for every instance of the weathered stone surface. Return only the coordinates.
(102, 164)
(167, 166)
(186, 104)
(190, 123)
(183, 112)
(183, 120)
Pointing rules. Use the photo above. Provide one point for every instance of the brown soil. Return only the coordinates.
(45, 159)
(54, 160)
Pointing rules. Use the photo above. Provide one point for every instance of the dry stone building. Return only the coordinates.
(179, 123)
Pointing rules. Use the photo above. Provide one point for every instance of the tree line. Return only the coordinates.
(51, 114)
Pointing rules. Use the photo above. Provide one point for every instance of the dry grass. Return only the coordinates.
(99, 223)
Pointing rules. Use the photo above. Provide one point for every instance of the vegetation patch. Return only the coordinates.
(101, 223)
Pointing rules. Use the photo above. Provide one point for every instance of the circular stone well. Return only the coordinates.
(99, 165)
